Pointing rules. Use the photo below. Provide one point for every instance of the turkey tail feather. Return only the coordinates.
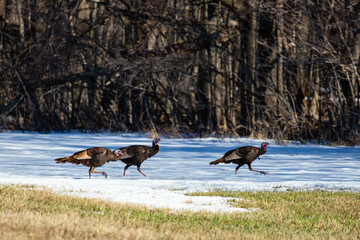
(69, 160)
(61, 160)
(220, 160)
(81, 157)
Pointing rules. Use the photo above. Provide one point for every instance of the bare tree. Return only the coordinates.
(277, 69)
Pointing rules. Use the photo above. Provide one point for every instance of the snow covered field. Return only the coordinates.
(181, 166)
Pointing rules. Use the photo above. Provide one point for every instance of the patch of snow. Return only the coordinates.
(181, 166)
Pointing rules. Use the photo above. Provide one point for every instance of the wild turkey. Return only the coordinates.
(92, 157)
(137, 154)
(243, 155)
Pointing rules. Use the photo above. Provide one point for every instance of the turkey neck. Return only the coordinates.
(262, 150)
(155, 148)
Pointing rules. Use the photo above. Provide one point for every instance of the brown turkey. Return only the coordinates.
(137, 154)
(243, 155)
(92, 157)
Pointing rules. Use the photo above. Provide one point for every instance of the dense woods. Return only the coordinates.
(274, 69)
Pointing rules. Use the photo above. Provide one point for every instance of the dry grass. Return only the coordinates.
(299, 214)
(30, 213)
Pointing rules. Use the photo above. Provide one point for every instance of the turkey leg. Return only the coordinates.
(125, 168)
(92, 170)
(237, 168)
(139, 169)
(261, 172)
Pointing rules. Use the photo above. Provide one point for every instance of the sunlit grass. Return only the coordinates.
(318, 213)
(27, 212)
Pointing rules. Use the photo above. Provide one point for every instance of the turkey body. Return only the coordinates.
(137, 154)
(243, 155)
(92, 157)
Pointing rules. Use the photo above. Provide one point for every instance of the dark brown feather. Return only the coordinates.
(91, 157)
(137, 154)
(242, 155)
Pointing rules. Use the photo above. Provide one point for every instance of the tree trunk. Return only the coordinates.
(280, 54)
(252, 54)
